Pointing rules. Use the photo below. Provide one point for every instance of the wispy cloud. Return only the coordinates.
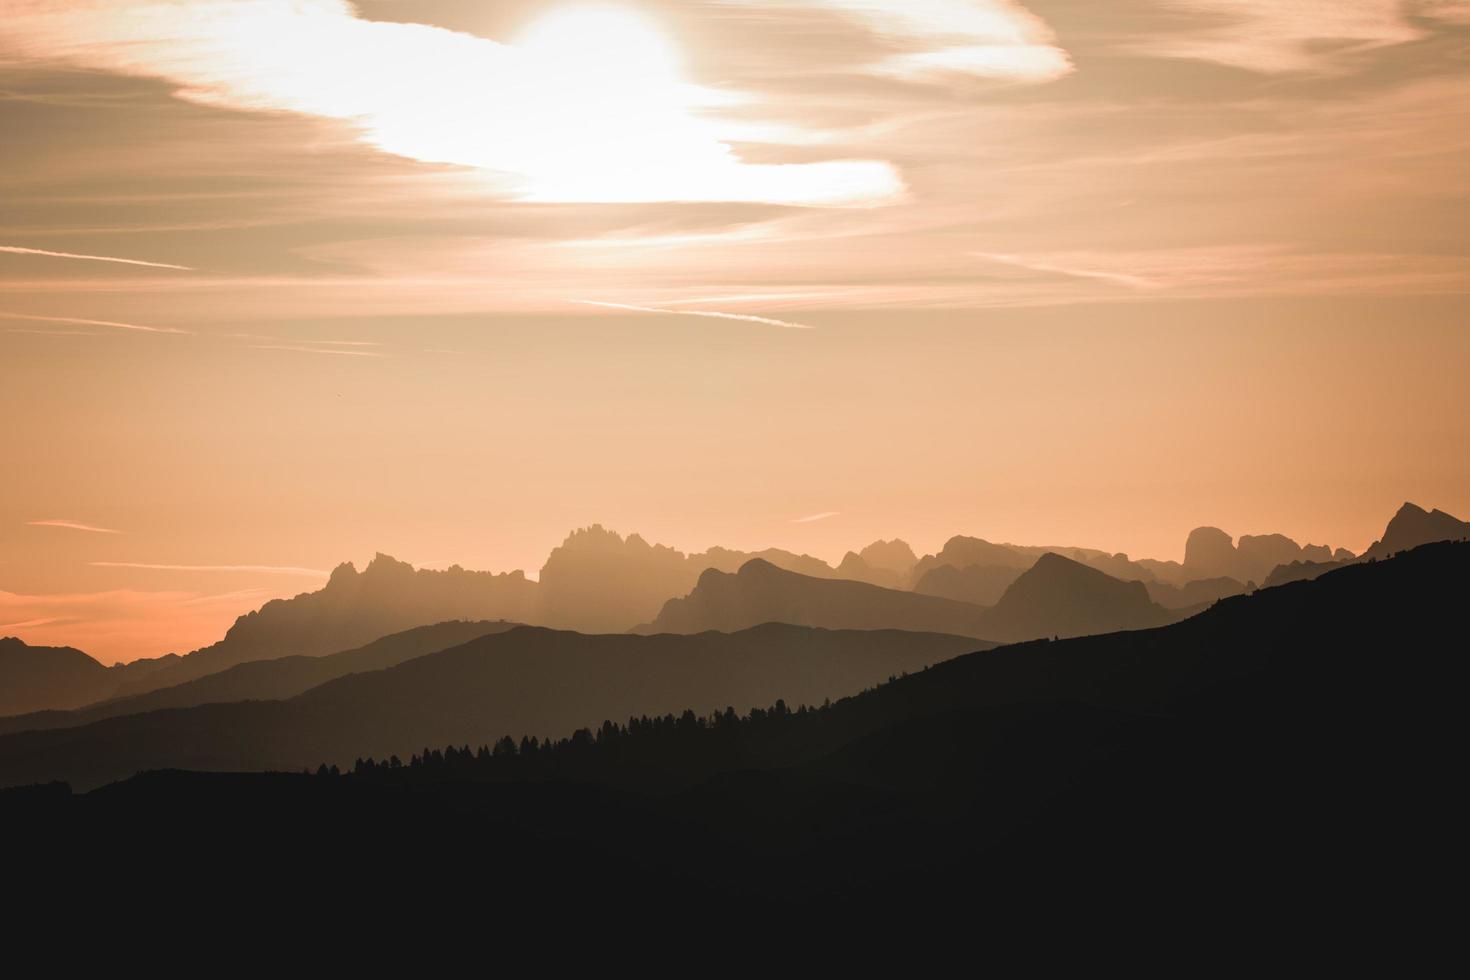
(317, 350)
(993, 39)
(746, 317)
(18, 250)
(82, 321)
(74, 526)
(261, 569)
(1274, 36)
(812, 518)
(1041, 265)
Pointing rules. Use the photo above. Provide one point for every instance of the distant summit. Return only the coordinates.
(886, 563)
(598, 581)
(352, 609)
(1061, 597)
(762, 593)
(1413, 526)
(35, 678)
(1211, 553)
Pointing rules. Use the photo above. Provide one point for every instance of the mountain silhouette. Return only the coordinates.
(265, 680)
(1224, 762)
(353, 608)
(979, 584)
(762, 593)
(1061, 597)
(525, 680)
(34, 678)
(1413, 526)
(1210, 553)
(597, 581)
(886, 563)
(962, 551)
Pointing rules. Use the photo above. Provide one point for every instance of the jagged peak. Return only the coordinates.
(386, 565)
(344, 572)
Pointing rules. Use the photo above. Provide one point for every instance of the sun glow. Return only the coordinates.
(589, 104)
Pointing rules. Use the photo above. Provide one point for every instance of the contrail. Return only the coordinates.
(1122, 279)
(73, 525)
(90, 323)
(317, 350)
(748, 318)
(18, 250)
(815, 517)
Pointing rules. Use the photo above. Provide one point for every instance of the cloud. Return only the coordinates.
(746, 317)
(993, 39)
(1276, 36)
(18, 250)
(583, 85)
(262, 569)
(74, 526)
(811, 518)
(90, 323)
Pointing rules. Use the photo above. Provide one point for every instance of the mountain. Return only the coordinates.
(982, 585)
(886, 563)
(1170, 776)
(1413, 526)
(45, 678)
(353, 608)
(1061, 597)
(762, 593)
(1211, 553)
(59, 677)
(266, 680)
(525, 680)
(597, 581)
(962, 552)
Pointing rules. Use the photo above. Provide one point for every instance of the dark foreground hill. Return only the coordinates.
(1277, 769)
(268, 680)
(526, 680)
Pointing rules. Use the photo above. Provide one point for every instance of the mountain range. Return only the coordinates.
(1284, 752)
(514, 682)
(599, 580)
(1054, 597)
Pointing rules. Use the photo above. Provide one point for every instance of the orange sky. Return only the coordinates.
(284, 284)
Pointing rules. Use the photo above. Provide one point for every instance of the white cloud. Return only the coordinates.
(590, 104)
(994, 39)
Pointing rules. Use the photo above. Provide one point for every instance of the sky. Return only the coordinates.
(284, 284)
